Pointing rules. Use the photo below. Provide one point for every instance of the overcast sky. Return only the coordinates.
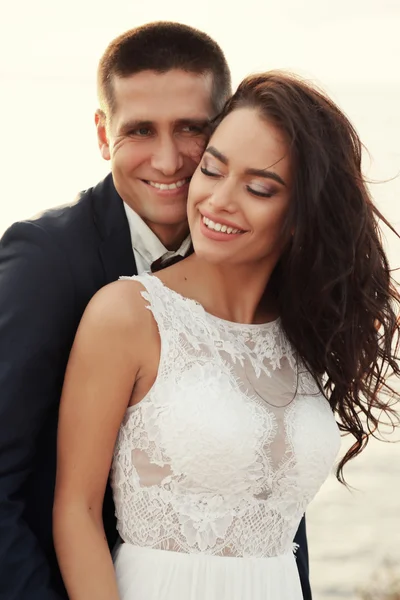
(341, 40)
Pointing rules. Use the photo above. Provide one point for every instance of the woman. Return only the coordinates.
(211, 388)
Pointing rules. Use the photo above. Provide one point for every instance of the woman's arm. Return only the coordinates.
(103, 367)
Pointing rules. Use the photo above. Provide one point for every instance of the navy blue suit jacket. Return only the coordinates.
(50, 267)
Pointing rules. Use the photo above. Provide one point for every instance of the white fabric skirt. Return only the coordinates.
(148, 574)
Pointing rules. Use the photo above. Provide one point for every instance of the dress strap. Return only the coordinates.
(159, 301)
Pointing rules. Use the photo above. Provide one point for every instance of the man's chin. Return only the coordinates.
(173, 219)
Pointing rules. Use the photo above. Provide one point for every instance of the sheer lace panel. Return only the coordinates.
(231, 443)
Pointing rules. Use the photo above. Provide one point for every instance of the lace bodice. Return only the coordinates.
(231, 443)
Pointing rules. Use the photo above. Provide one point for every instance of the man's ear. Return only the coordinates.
(102, 139)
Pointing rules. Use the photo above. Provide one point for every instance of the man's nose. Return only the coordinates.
(167, 157)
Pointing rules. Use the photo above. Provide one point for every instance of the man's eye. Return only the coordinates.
(193, 129)
(141, 131)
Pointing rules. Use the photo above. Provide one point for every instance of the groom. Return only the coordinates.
(159, 85)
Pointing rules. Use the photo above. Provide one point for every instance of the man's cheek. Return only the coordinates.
(196, 150)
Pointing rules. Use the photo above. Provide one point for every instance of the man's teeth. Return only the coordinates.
(168, 186)
(218, 227)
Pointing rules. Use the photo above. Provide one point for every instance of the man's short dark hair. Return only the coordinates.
(161, 47)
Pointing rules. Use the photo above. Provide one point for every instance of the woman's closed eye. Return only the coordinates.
(258, 189)
(261, 191)
(210, 171)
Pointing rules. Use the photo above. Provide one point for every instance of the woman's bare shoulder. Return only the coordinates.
(119, 305)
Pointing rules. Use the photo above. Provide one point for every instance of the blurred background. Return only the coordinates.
(351, 48)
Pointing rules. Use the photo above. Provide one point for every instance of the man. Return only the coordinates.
(159, 86)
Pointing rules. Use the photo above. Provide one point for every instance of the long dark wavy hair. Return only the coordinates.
(338, 303)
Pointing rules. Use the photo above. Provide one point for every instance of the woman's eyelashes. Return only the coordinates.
(209, 172)
(256, 189)
(260, 191)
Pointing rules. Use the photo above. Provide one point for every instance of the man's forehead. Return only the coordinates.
(168, 96)
(149, 78)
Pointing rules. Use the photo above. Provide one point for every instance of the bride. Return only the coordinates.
(211, 389)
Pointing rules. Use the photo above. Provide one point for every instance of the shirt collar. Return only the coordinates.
(146, 243)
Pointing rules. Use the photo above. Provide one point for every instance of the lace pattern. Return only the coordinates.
(231, 443)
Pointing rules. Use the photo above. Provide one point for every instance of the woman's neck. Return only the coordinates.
(235, 293)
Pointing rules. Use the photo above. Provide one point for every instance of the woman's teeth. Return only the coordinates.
(219, 227)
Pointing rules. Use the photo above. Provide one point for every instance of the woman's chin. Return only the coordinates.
(210, 255)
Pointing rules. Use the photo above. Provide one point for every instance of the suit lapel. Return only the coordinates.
(117, 257)
(115, 248)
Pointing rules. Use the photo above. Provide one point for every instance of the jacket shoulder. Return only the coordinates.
(69, 224)
(61, 219)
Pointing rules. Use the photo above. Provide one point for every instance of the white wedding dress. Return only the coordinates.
(214, 468)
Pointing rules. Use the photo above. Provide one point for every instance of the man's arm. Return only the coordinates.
(302, 559)
(36, 327)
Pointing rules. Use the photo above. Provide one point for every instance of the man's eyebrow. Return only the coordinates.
(135, 124)
(258, 172)
(193, 121)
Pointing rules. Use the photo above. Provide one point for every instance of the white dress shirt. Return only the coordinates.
(146, 246)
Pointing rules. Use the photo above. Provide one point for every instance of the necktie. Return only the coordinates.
(161, 263)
